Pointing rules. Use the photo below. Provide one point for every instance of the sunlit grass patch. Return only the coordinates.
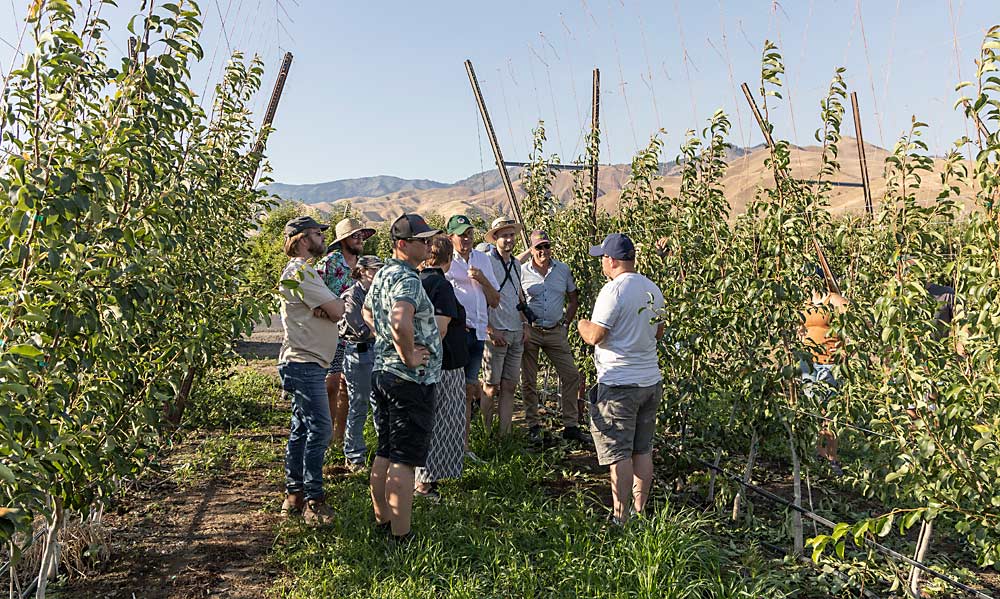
(500, 531)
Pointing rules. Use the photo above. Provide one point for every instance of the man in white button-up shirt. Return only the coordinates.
(471, 274)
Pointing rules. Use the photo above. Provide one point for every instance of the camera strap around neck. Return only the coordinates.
(508, 267)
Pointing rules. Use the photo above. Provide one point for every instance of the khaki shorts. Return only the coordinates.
(503, 363)
(623, 420)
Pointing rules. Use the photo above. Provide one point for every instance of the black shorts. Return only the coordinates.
(405, 418)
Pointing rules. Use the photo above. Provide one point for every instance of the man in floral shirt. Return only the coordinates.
(335, 269)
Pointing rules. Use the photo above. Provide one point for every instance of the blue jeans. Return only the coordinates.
(311, 431)
(475, 363)
(358, 376)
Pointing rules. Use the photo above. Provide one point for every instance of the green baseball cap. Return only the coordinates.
(458, 224)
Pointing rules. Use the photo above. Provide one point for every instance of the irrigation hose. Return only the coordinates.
(820, 519)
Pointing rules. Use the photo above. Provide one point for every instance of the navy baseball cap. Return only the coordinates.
(616, 245)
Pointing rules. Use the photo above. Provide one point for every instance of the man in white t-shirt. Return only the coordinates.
(629, 384)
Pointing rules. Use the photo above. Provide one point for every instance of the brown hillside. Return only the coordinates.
(745, 175)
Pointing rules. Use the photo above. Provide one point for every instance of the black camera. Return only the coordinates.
(528, 314)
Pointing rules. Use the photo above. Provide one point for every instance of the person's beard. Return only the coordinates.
(349, 247)
(318, 248)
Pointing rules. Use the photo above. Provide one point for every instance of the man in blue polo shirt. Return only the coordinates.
(553, 299)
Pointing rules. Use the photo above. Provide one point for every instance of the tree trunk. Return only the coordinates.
(173, 412)
(747, 474)
(797, 537)
(718, 457)
(923, 543)
(50, 553)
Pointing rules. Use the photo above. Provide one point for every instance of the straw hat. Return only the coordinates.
(500, 224)
(348, 227)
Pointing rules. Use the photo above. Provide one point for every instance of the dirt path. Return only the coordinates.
(211, 538)
(208, 536)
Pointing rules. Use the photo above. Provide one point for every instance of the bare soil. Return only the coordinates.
(210, 538)
(207, 538)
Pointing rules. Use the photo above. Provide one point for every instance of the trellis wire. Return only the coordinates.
(830, 524)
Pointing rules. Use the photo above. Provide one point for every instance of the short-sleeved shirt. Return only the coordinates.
(546, 294)
(469, 292)
(506, 317)
(627, 356)
(307, 338)
(455, 345)
(335, 272)
(397, 281)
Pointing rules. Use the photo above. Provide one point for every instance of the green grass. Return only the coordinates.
(520, 526)
(236, 398)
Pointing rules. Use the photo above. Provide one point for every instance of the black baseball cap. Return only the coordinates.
(617, 246)
(408, 226)
(301, 223)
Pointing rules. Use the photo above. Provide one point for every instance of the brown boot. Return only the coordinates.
(318, 513)
(293, 504)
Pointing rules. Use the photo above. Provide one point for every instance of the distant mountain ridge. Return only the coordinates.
(331, 191)
(385, 185)
(383, 198)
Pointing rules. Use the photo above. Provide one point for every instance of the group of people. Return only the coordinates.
(411, 335)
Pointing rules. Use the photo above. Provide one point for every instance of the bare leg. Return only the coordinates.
(399, 494)
(506, 407)
(487, 404)
(642, 480)
(827, 445)
(380, 471)
(621, 487)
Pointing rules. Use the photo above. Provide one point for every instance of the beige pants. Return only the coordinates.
(556, 346)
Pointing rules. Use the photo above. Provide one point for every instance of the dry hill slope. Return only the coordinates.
(745, 175)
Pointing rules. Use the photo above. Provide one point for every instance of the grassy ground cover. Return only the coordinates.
(522, 525)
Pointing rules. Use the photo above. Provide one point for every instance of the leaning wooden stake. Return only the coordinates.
(272, 107)
(508, 187)
(862, 159)
(595, 128)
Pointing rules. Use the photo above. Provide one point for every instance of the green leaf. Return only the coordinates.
(23, 349)
(7, 475)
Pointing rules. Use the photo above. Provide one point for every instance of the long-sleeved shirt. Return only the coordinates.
(353, 328)
(469, 292)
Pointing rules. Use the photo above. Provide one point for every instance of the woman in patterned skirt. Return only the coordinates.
(448, 437)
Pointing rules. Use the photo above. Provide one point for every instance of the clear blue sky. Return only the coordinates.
(379, 87)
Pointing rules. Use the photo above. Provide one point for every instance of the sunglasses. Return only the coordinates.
(359, 236)
(423, 240)
(543, 246)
